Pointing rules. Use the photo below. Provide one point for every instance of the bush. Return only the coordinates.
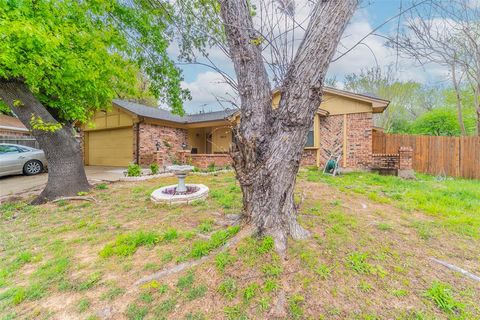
(154, 168)
(134, 170)
(211, 167)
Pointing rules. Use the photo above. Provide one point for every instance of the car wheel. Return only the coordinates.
(32, 167)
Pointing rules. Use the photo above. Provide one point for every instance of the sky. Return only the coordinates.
(206, 85)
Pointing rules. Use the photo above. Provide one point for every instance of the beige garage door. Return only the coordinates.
(110, 147)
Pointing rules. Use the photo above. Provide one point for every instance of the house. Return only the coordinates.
(12, 127)
(134, 133)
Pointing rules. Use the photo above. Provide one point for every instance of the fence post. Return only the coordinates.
(405, 163)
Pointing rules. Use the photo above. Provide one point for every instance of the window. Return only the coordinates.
(8, 149)
(310, 138)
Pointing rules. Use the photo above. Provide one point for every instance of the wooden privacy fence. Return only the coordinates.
(452, 156)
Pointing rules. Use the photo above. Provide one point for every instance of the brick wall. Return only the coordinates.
(403, 160)
(331, 137)
(358, 139)
(406, 158)
(385, 161)
(309, 157)
(170, 141)
(204, 160)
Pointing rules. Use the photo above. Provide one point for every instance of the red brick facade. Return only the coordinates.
(358, 138)
(385, 161)
(358, 143)
(169, 141)
(331, 137)
(309, 157)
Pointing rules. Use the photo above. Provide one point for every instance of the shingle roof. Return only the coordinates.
(161, 114)
(12, 123)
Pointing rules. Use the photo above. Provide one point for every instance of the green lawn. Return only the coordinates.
(368, 257)
(455, 203)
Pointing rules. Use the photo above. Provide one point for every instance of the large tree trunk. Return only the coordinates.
(66, 174)
(269, 143)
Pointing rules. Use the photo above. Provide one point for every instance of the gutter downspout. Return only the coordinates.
(137, 151)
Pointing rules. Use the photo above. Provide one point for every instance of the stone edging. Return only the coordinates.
(169, 174)
(211, 173)
(146, 177)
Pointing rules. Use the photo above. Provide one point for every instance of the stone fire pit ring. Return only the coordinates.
(165, 195)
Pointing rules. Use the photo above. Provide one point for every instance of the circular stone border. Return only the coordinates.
(158, 196)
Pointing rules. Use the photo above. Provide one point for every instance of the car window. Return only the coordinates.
(23, 149)
(8, 149)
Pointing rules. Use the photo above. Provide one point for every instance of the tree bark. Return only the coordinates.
(66, 174)
(269, 143)
(458, 96)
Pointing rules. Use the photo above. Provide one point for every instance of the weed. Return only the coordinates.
(206, 226)
(146, 297)
(101, 186)
(234, 313)
(250, 291)
(264, 303)
(222, 260)
(167, 257)
(83, 305)
(357, 261)
(384, 226)
(272, 269)
(365, 286)
(126, 244)
(197, 292)
(228, 288)
(323, 271)
(270, 285)
(265, 245)
(195, 316)
(441, 294)
(165, 307)
(135, 312)
(399, 292)
(112, 293)
(295, 306)
(202, 248)
(186, 281)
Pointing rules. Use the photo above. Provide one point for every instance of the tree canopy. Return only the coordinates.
(75, 56)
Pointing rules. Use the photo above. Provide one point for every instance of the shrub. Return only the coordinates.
(134, 170)
(211, 167)
(154, 168)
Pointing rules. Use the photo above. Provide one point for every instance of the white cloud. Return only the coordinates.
(374, 52)
(204, 90)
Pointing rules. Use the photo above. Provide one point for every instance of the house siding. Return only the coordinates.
(170, 142)
(350, 134)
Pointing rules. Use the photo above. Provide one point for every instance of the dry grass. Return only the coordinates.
(367, 259)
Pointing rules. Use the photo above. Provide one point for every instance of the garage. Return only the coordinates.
(111, 147)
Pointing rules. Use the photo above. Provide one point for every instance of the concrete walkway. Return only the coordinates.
(23, 184)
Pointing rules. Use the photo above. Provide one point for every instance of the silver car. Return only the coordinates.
(17, 159)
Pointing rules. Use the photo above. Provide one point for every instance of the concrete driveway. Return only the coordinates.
(23, 184)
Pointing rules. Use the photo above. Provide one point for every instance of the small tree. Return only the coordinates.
(60, 61)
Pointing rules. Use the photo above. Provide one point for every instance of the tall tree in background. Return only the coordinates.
(62, 60)
(447, 33)
(408, 100)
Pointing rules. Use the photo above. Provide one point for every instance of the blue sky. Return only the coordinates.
(205, 84)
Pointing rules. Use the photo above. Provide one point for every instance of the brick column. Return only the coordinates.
(184, 156)
(405, 165)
